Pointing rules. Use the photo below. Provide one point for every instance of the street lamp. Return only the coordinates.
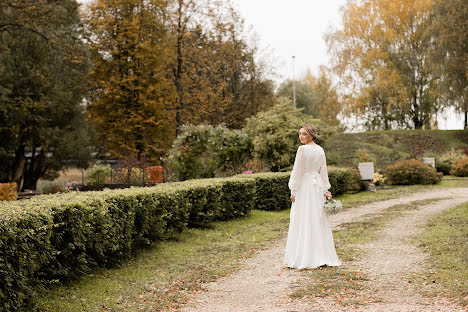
(294, 84)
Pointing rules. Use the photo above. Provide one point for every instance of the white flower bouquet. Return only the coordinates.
(332, 206)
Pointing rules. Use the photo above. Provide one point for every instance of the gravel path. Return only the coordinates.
(264, 284)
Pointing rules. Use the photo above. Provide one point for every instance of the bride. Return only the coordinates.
(310, 241)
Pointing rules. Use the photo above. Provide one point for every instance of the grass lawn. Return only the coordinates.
(350, 200)
(158, 278)
(446, 241)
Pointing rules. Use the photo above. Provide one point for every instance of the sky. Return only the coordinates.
(287, 28)
(292, 28)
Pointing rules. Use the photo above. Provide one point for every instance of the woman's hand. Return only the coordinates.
(328, 195)
(293, 198)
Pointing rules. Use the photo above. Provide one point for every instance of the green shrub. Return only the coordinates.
(412, 171)
(272, 191)
(205, 151)
(344, 180)
(460, 167)
(55, 238)
(274, 133)
(443, 166)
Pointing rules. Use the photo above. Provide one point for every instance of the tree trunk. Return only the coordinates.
(416, 119)
(34, 171)
(20, 161)
(465, 126)
(178, 70)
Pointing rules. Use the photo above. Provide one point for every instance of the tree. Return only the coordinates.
(43, 68)
(450, 32)
(213, 69)
(328, 105)
(382, 55)
(306, 97)
(132, 97)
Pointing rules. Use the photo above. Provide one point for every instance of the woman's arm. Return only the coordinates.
(324, 177)
(297, 173)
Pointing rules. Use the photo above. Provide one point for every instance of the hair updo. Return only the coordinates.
(311, 130)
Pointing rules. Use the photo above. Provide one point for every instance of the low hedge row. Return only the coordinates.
(344, 180)
(53, 238)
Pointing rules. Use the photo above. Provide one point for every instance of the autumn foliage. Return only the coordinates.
(412, 171)
(460, 167)
(155, 174)
(8, 191)
(158, 65)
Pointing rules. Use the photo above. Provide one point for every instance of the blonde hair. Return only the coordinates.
(311, 130)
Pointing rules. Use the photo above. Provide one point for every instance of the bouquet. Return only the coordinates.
(332, 206)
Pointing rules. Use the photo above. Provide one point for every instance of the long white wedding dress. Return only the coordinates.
(310, 241)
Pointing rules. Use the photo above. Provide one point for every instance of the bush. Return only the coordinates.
(63, 236)
(460, 167)
(379, 179)
(344, 180)
(205, 151)
(271, 191)
(8, 191)
(274, 133)
(443, 166)
(412, 171)
(452, 156)
(98, 174)
(155, 174)
(74, 185)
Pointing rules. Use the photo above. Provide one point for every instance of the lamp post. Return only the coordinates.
(294, 84)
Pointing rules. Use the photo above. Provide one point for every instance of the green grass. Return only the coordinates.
(387, 147)
(352, 200)
(160, 277)
(446, 241)
(344, 285)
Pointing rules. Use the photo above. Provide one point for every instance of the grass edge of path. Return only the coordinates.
(445, 240)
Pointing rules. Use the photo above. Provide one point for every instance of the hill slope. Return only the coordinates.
(387, 147)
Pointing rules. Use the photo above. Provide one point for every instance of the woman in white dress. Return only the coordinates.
(310, 241)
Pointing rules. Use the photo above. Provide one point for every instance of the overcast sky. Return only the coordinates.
(292, 28)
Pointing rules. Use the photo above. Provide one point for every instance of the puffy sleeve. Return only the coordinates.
(298, 171)
(324, 174)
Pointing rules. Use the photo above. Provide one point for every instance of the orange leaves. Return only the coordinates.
(368, 54)
(8, 191)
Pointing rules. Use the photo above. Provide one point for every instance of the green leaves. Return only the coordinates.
(43, 71)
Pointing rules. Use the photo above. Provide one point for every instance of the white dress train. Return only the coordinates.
(310, 240)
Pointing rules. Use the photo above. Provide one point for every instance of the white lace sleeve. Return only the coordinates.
(324, 175)
(298, 171)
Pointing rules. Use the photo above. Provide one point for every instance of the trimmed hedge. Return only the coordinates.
(53, 238)
(412, 171)
(271, 190)
(344, 180)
